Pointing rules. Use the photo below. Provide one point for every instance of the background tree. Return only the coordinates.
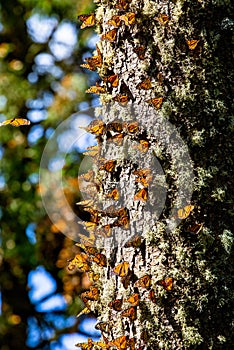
(167, 61)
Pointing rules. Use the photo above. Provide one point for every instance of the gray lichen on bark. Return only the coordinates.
(195, 84)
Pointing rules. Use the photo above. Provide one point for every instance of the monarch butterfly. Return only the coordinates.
(145, 84)
(110, 35)
(122, 4)
(194, 228)
(112, 79)
(115, 21)
(88, 20)
(130, 313)
(16, 122)
(97, 89)
(144, 281)
(92, 151)
(96, 127)
(92, 294)
(167, 283)
(134, 299)
(132, 127)
(117, 139)
(152, 296)
(93, 62)
(135, 243)
(156, 102)
(122, 269)
(93, 277)
(162, 18)
(121, 342)
(79, 262)
(104, 231)
(128, 18)
(113, 194)
(185, 212)
(141, 195)
(140, 51)
(108, 166)
(122, 99)
(100, 259)
(125, 281)
(192, 44)
(116, 304)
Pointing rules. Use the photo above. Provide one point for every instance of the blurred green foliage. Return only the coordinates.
(22, 86)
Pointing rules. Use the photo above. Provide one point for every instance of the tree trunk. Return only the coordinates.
(170, 244)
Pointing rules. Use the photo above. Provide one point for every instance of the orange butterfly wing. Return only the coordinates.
(192, 44)
(122, 269)
(144, 281)
(167, 283)
(130, 313)
(16, 122)
(121, 342)
(88, 20)
(111, 35)
(145, 84)
(141, 195)
(156, 102)
(185, 212)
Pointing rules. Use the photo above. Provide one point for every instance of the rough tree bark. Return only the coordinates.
(181, 51)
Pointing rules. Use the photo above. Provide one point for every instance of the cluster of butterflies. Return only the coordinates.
(96, 61)
(83, 262)
(15, 122)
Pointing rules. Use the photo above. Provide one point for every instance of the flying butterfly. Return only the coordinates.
(145, 84)
(121, 342)
(130, 313)
(143, 282)
(15, 122)
(88, 20)
(128, 18)
(185, 212)
(133, 299)
(116, 304)
(122, 269)
(192, 44)
(167, 283)
(163, 18)
(110, 36)
(140, 51)
(141, 195)
(156, 102)
(112, 79)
